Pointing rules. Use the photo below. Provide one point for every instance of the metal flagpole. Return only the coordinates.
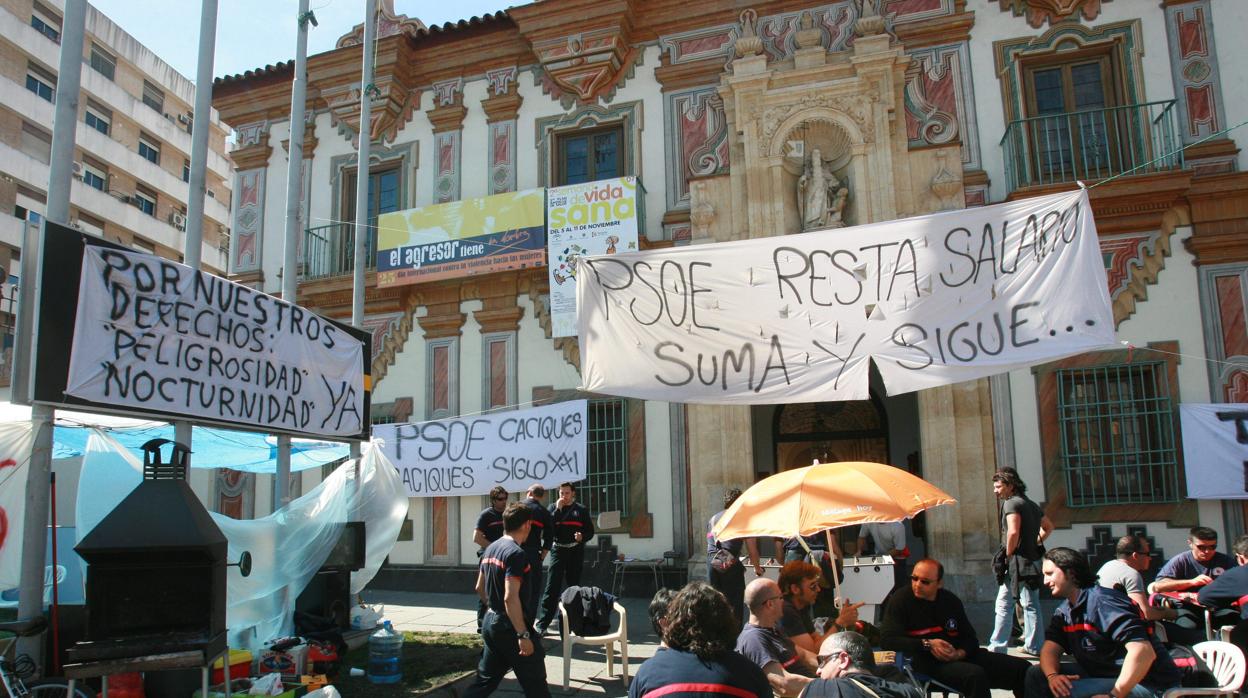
(38, 478)
(362, 231)
(294, 197)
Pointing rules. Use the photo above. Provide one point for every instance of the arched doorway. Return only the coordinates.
(830, 432)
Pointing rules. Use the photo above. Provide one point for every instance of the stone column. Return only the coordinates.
(958, 450)
(721, 455)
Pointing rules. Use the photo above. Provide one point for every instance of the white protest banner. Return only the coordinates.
(1215, 450)
(15, 442)
(155, 335)
(470, 455)
(933, 300)
(594, 218)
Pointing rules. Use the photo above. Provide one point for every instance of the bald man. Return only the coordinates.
(762, 642)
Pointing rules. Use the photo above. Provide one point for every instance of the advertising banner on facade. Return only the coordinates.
(594, 218)
(1215, 449)
(156, 336)
(470, 455)
(462, 238)
(932, 300)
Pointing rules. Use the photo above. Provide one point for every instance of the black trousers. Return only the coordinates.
(731, 584)
(502, 653)
(565, 571)
(980, 672)
(531, 592)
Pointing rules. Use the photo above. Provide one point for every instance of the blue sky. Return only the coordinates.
(255, 33)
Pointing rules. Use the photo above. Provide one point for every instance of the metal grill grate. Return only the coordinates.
(606, 485)
(1117, 432)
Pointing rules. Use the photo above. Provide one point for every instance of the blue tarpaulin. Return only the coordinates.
(210, 448)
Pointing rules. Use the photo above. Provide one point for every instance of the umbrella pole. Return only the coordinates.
(836, 578)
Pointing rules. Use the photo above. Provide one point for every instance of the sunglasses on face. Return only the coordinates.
(825, 658)
(1205, 548)
(921, 580)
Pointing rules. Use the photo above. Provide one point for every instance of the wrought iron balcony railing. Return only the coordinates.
(1092, 144)
(329, 250)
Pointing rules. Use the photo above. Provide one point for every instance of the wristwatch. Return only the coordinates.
(525, 635)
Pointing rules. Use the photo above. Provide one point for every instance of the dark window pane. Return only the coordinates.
(576, 160)
(1089, 89)
(1048, 91)
(606, 155)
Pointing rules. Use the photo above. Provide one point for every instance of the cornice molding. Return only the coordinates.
(252, 156)
(448, 118)
(504, 107)
(1219, 205)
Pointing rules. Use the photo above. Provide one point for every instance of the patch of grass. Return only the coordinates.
(429, 659)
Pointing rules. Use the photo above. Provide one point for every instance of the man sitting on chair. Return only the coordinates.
(800, 583)
(762, 643)
(930, 625)
(1229, 588)
(1101, 628)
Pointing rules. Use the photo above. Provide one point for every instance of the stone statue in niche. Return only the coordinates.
(821, 195)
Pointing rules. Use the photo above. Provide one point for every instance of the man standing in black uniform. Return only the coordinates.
(489, 529)
(930, 625)
(509, 645)
(538, 543)
(573, 529)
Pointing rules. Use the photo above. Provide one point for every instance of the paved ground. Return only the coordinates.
(458, 613)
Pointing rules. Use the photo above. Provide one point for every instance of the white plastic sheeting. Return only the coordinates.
(287, 547)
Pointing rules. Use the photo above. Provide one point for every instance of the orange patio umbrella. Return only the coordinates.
(827, 495)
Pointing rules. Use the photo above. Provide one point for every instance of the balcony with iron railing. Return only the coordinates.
(1092, 144)
(329, 250)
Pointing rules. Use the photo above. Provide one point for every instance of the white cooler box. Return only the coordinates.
(867, 579)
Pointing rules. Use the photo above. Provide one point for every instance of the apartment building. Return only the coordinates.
(132, 158)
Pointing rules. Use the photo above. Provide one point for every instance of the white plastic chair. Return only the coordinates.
(9, 597)
(1225, 660)
(607, 641)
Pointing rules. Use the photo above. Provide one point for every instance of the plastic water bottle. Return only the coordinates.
(385, 648)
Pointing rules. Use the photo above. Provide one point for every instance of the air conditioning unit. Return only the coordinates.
(178, 220)
(211, 194)
(77, 170)
(184, 118)
(169, 117)
(134, 201)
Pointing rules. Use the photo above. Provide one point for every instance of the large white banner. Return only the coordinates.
(594, 218)
(156, 335)
(933, 300)
(15, 443)
(1215, 450)
(470, 455)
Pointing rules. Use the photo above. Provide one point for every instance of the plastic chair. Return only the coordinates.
(607, 641)
(8, 598)
(1225, 660)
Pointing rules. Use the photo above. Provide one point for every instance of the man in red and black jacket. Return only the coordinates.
(931, 626)
(1115, 653)
(573, 528)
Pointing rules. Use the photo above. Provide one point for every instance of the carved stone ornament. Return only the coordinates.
(588, 65)
(869, 21)
(1052, 11)
(857, 107)
(808, 35)
(701, 216)
(388, 24)
(748, 43)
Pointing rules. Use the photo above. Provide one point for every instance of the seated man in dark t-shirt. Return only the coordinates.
(800, 583)
(769, 649)
(1229, 590)
(697, 660)
(1188, 572)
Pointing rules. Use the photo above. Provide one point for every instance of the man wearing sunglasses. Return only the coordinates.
(845, 665)
(930, 625)
(489, 529)
(1189, 571)
(762, 642)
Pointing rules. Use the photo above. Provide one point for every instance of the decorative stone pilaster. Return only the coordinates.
(1197, 82)
(959, 456)
(721, 453)
(501, 109)
(251, 161)
(447, 118)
